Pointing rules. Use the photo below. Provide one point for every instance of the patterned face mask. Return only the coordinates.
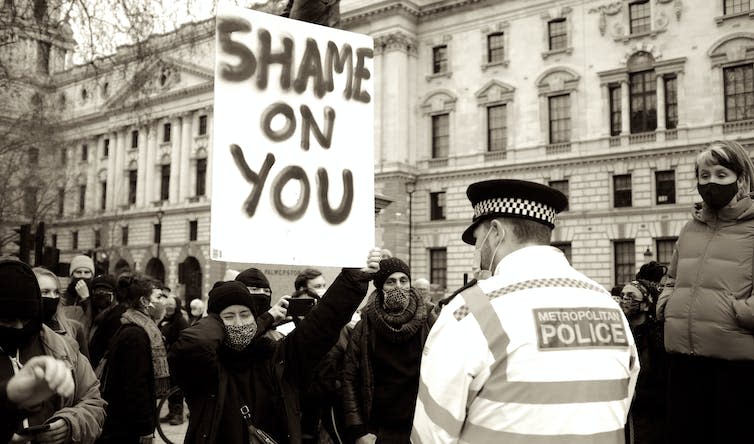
(396, 300)
(238, 337)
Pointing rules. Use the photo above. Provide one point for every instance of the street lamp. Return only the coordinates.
(158, 231)
(410, 189)
(647, 254)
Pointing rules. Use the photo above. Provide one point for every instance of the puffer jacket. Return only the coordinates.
(710, 312)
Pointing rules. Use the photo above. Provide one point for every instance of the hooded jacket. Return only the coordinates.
(84, 410)
(277, 375)
(711, 311)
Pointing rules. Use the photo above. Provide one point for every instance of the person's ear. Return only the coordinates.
(498, 231)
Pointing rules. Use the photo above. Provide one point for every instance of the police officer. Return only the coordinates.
(534, 352)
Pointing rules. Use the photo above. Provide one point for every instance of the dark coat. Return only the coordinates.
(358, 375)
(103, 329)
(171, 328)
(204, 378)
(129, 388)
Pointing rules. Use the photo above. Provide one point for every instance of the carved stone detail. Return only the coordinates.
(604, 10)
(395, 41)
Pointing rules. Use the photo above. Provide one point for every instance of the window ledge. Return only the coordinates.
(167, 144)
(628, 37)
(558, 148)
(201, 137)
(439, 75)
(552, 52)
(103, 159)
(495, 155)
(490, 65)
(722, 18)
(436, 163)
(738, 126)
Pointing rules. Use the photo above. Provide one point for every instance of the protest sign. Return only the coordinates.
(293, 162)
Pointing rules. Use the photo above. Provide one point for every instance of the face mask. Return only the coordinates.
(320, 291)
(49, 307)
(396, 300)
(12, 338)
(156, 310)
(238, 337)
(480, 274)
(717, 196)
(102, 300)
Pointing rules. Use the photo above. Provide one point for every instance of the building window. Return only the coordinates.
(565, 247)
(33, 155)
(440, 59)
(166, 132)
(437, 205)
(97, 238)
(496, 48)
(74, 240)
(643, 101)
(665, 182)
(622, 190)
(624, 261)
(560, 118)
(165, 182)
(30, 201)
(739, 92)
(61, 201)
(201, 177)
(562, 186)
(736, 6)
(193, 230)
(202, 125)
(124, 235)
(671, 102)
(82, 198)
(496, 128)
(103, 195)
(132, 177)
(43, 57)
(665, 248)
(134, 139)
(157, 237)
(106, 148)
(440, 136)
(438, 267)
(557, 34)
(64, 156)
(616, 119)
(84, 152)
(54, 240)
(640, 17)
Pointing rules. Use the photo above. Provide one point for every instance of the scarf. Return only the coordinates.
(396, 327)
(159, 353)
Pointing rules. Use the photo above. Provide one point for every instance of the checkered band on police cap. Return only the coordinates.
(515, 206)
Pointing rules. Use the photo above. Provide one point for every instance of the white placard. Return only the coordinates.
(292, 160)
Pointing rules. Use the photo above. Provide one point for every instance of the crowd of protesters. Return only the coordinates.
(333, 363)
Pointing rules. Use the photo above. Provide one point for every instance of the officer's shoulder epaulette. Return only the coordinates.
(443, 302)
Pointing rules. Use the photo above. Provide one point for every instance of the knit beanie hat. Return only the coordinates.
(253, 277)
(104, 280)
(230, 293)
(20, 296)
(81, 261)
(387, 267)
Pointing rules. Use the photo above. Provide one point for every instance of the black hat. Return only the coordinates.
(387, 267)
(20, 297)
(253, 277)
(513, 198)
(230, 293)
(104, 280)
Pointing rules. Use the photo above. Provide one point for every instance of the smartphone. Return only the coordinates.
(33, 430)
(300, 306)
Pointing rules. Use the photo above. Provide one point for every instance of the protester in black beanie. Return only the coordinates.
(259, 287)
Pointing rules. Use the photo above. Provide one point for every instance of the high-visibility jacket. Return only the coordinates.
(537, 353)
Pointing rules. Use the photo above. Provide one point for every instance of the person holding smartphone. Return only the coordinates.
(51, 414)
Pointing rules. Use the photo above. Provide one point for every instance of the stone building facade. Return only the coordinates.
(608, 101)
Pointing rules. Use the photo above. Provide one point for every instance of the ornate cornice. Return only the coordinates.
(397, 40)
(405, 8)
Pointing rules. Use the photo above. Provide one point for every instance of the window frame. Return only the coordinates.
(438, 272)
(74, 240)
(193, 231)
(200, 187)
(562, 24)
(627, 190)
(134, 139)
(670, 88)
(616, 110)
(203, 125)
(648, 99)
(742, 11)
(167, 129)
(437, 205)
(103, 195)
(436, 138)
(165, 182)
(551, 106)
(744, 94)
(645, 27)
(672, 195)
(133, 183)
(628, 271)
(556, 185)
(672, 241)
(124, 235)
(503, 126)
(440, 59)
(82, 199)
(492, 52)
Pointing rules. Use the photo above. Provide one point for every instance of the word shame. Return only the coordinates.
(564, 328)
(311, 66)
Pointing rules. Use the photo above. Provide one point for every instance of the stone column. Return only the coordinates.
(186, 145)
(91, 176)
(680, 92)
(141, 178)
(121, 178)
(625, 109)
(660, 102)
(210, 142)
(175, 160)
(152, 185)
(110, 202)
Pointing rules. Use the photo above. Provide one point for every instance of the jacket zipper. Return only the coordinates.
(692, 296)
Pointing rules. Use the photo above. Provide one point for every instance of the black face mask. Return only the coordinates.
(49, 307)
(717, 196)
(101, 300)
(11, 339)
